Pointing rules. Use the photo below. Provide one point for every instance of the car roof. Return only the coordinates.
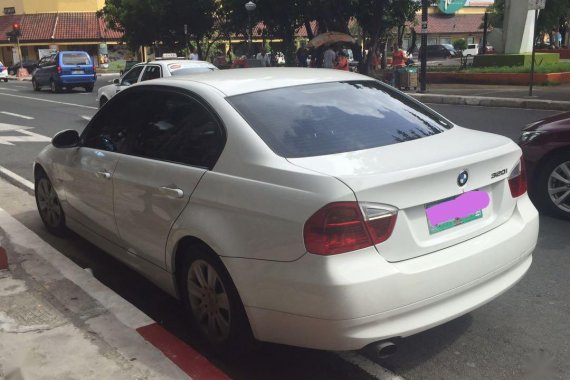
(241, 81)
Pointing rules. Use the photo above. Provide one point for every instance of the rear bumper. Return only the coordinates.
(347, 301)
(77, 79)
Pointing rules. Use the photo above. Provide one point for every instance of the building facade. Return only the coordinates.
(51, 25)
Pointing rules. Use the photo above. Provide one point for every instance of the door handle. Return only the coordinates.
(103, 174)
(171, 191)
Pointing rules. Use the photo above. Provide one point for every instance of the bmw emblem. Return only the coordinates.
(462, 178)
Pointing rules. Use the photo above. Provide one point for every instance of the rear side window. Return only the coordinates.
(75, 59)
(337, 117)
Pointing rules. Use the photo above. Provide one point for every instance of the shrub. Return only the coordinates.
(460, 44)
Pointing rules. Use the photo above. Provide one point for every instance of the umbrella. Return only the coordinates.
(329, 38)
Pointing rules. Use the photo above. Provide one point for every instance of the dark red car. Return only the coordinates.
(546, 151)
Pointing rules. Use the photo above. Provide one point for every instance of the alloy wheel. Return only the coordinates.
(48, 203)
(209, 301)
(559, 186)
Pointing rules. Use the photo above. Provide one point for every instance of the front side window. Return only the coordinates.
(132, 76)
(336, 117)
(157, 124)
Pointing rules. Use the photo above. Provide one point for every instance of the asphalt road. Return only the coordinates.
(522, 334)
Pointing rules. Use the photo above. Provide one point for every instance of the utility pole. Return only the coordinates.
(16, 33)
(485, 26)
(536, 5)
(423, 48)
(186, 39)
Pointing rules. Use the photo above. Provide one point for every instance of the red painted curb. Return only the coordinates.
(191, 362)
(3, 259)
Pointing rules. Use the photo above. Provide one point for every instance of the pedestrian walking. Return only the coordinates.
(329, 58)
(193, 54)
(302, 55)
(342, 61)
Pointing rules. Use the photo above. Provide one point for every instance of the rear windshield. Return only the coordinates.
(75, 59)
(337, 117)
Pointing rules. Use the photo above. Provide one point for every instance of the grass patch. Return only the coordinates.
(559, 67)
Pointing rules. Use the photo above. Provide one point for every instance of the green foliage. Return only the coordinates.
(460, 44)
(507, 60)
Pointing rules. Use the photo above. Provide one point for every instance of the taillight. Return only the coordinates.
(347, 226)
(59, 69)
(517, 179)
(94, 69)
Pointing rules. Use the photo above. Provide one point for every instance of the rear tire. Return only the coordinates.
(215, 308)
(54, 87)
(554, 177)
(49, 206)
(89, 88)
(103, 101)
(5, 80)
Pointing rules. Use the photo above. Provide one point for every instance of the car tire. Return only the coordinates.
(35, 85)
(53, 86)
(102, 101)
(214, 306)
(49, 205)
(5, 80)
(554, 176)
(88, 88)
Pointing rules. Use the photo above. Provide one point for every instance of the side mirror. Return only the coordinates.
(116, 81)
(66, 139)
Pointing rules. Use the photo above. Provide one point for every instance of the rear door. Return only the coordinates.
(76, 67)
(174, 139)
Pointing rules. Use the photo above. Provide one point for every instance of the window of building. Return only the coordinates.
(470, 40)
(9, 10)
(445, 40)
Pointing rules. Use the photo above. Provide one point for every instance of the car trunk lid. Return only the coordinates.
(415, 175)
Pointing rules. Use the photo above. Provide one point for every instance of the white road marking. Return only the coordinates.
(49, 101)
(8, 89)
(373, 369)
(15, 177)
(21, 130)
(17, 115)
(88, 118)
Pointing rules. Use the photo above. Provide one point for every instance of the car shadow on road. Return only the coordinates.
(420, 348)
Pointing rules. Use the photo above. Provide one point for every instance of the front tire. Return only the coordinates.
(215, 308)
(49, 206)
(552, 191)
(102, 101)
(35, 85)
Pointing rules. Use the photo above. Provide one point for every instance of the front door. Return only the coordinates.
(171, 145)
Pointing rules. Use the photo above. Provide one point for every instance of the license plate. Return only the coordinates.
(78, 72)
(450, 212)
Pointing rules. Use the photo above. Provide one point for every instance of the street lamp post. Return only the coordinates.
(250, 8)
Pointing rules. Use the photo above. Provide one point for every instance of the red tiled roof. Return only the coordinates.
(54, 27)
(444, 24)
(38, 26)
(302, 31)
(77, 26)
(108, 34)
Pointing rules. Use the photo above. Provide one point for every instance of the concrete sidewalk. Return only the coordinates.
(544, 97)
(57, 321)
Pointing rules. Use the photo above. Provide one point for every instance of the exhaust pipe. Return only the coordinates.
(385, 349)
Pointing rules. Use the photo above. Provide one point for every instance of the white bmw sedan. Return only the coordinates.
(308, 207)
(152, 70)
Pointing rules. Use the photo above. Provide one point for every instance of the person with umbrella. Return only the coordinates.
(329, 58)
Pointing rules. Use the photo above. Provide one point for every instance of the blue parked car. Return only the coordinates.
(65, 69)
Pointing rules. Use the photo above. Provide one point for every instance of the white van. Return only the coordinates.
(472, 49)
